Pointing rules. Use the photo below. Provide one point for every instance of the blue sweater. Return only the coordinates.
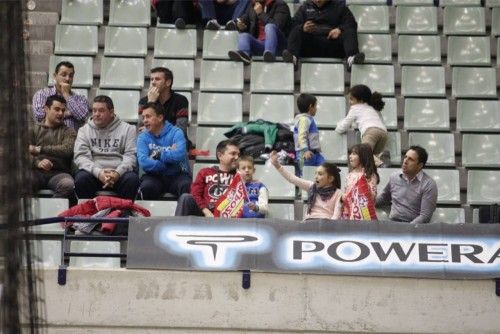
(171, 162)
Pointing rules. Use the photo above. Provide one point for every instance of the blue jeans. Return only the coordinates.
(223, 13)
(274, 42)
(316, 160)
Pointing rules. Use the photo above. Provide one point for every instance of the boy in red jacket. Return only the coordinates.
(210, 183)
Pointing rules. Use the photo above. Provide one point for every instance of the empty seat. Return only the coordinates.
(420, 20)
(413, 2)
(322, 78)
(126, 41)
(219, 108)
(125, 103)
(224, 76)
(207, 139)
(333, 146)
(271, 78)
(393, 145)
(448, 184)
(104, 247)
(76, 40)
(82, 12)
(419, 49)
(47, 208)
(46, 253)
(216, 44)
(380, 78)
(272, 107)
(366, 2)
(423, 81)
(281, 211)
(464, 21)
(130, 13)
(469, 50)
(445, 3)
(481, 150)
(385, 174)
(182, 69)
(122, 73)
(329, 110)
(495, 22)
(390, 113)
(83, 70)
(482, 187)
(474, 82)
(175, 43)
(492, 3)
(439, 146)
(371, 18)
(376, 47)
(449, 215)
(476, 115)
(278, 187)
(427, 114)
(159, 208)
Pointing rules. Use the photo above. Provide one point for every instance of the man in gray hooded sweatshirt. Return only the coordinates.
(105, 153)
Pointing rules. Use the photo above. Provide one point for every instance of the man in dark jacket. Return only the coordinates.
(324, 28)
(263, 29)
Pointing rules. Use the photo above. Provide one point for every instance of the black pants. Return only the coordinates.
(186, 206)
(302, 44)
(153, 186)
(170, 10)
(86, 185)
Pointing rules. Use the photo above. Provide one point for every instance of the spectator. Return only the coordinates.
(161, 152)
(178, 12)
(105, 153)
(77, 107)
(361, 166)
(51, 148)
(258, 195)
(324, 194)
(365, 112)
(210, 183)
(175, 105)
(323, 28)
(263, 29)
(306, 134)
(215, 13)
(412, 192)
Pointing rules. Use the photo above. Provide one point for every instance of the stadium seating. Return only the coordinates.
(419, 20)
(474, 82)
(159, 208)
(419, 50)
(449, 215)
(105, 247)
(478, 116)
(394, 146)
(380, 78)
(481, 150)
(469, 50)
(207, 139)
(427, 114)
(219, 108)
(175, 43)
(371, 19)
(122, 73)
(83, 70)
(183, 70)
(423, 81)
(82, 12)
(334, 146)
(413, 2)
(448, 184)
(125, 103)
(216, 44)
(47, 253)
(223, 76)
(445, 3)
(272, 107)
(281, 211)
(376, 47)
(329, 111)
(482, 187)
(279, 188)
(135, 13)
(47, 208)
(495, 22)
(390, 113)
(263, 78)
(322, 79)
(439, 146)
(126, 42)
(76, 40)
(464, 21)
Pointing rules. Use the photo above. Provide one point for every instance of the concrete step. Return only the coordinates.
(38, 47)
(46, 6)
(41, 32)
(42, 18)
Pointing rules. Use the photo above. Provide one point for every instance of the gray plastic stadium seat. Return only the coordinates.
(371, 19)
(498, 52)
(419, 20)
(482, 187)
(82, 12)
(390, 113)
(439, 146)
(46, 253)
(448, 184)
(492, 3)
(427, 114)
(278, 187)
(449, 215)
(219, 108)
(333, 146)
(376, 47)
(481, 150)
(159, 208)
(380, 78)
(276, 108)
(464, 21)
(216, 44)
(175, 43)
(383, 213)
(469, 50)
(474, 82)
(183, 70)
(495, 22)
(223, 76)
(83, 70)
(108, 247)
(76, 40)
(46, 208)
(366, 2)
(130, 13)
(413, 2)
(445, 3)
(281, 211)
(323, 79)
(385, 174)
(419, 49)
(126, 42)
(122, 73)
(207, 138)
(271, 78)
(125, 103)
(424, 81)
(394, 146)
(479, 116)
(330, 110)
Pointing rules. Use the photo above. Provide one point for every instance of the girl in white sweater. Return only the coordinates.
(365, 112)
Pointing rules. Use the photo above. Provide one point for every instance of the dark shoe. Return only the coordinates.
(288, 57)
(213, 25)
(269, 57)
(358, 58)
(231, 25)
(239, 56)
(180, 23)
